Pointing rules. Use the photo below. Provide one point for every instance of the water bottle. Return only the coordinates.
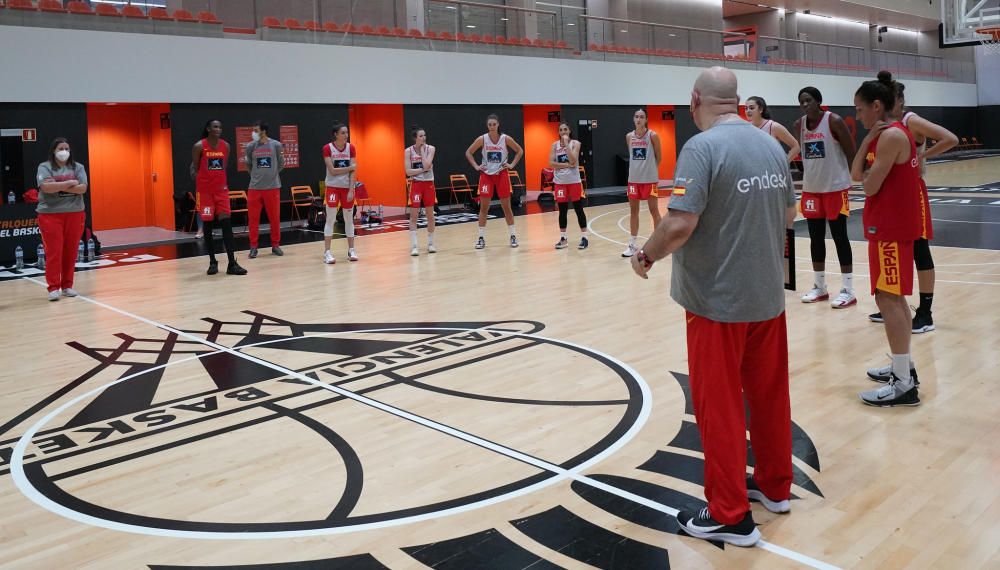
(18, 258)
(79, 253)
(11, 198)
(90, 249)
(40, 264)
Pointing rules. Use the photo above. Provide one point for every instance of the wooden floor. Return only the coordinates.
(468, 409)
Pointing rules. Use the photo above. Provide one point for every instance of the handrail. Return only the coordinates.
(907, 53)
(657, 25)
(825, 44)
(496, 7)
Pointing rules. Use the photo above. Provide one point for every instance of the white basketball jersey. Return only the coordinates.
(642, 167)
(920, 147)
(564, 175)
(823, 159)
(494, 154)
(340, 159)
(417, 160)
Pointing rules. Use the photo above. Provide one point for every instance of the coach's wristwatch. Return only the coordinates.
(644, 259)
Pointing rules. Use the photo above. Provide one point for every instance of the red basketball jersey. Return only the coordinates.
(212, 170)
(893, 214)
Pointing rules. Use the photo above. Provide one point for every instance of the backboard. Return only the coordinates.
(961, 18)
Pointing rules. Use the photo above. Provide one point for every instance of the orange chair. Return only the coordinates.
(399, 32)
(208, 18)
(51, 6)
(431, 35)
(78, 7)
(312, 26)
(130, 11)
(367, 30)
(383, 31)
(302, 197)
(237, 196)
(459, 184)
(447, 36)
(331, 27)
(184, 16)
(22, 5)
(415, 33)
(272, 22)
(293, 24)
(107, 10)
(160, 14)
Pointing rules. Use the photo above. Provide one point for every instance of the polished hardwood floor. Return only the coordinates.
(504, 408)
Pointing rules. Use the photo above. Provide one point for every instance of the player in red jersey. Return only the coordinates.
(209, 160)
(891, 222)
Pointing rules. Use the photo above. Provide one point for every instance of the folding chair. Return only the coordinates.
(459, 183)
(236, 196)
(302, 197)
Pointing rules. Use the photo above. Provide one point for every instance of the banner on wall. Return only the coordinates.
(244, 136)
(289, 137)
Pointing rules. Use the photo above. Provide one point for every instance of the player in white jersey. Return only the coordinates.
(564, 159)
(418, 162)
(643, 175)
(340, 157)
(760, 117)
(827, 152)
(494, 175)
(922, 129)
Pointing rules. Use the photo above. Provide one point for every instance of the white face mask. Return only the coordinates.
(255, 136)
(62, 155)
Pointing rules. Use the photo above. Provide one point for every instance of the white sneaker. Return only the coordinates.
(54, 295)
(69, 292)
(431, 248)
(630, 250)
(816, 294)
(481, 243)
(352, 255)
(328, 258)
(414, 251)
(562, 243)
(845, 299)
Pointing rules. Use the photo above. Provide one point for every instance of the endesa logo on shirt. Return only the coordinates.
(766, 181)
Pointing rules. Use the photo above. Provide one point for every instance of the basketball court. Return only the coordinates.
(504, 408)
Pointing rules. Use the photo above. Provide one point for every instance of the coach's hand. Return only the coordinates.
(641, 264)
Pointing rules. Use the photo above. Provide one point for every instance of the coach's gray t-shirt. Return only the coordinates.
(736, 178)
(60, 202)
(265, 162)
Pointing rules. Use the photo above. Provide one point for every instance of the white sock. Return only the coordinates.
(584, 233)
(631, 240)
(848, 281)
(430, 239)
(562, 234)
(821, 279)
(512, 229)
(413, 238)
(482, 232)
(901, 367)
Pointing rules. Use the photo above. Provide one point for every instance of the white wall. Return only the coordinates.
(988, 72)
(171, 69)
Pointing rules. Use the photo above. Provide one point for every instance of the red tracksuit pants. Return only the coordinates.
(61, 237)
(271, 202)
(730, 363)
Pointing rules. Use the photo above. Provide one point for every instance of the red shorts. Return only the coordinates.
(641, 190)
(827, 205)
(927, 228)
(569, 192)
(890, 264)
(212, 203)
(337, 197)
(422, 192)
(500, 182)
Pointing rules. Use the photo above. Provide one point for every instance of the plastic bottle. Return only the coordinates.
(80, 253)
(40, 264)
(18, 258)
(90, 249)
(11, 197)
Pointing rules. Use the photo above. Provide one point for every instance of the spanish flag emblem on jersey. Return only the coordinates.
(680, 186)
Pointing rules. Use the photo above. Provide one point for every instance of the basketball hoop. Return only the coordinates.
(990, 38)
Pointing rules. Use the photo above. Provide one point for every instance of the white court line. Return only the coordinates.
(26, 488)
(962, 221)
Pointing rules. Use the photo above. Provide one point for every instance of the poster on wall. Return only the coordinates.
(289, 137)
(244, 136)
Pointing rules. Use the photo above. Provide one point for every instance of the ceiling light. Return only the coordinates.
(470, 26)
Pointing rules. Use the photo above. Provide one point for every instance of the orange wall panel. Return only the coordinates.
(380, 136)
(161, 168)
(539, 134)
(117, 185)
(666, 129)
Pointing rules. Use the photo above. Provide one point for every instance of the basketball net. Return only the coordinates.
(990, 38)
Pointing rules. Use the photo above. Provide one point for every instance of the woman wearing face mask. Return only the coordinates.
(760, 117)
(61, 212)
